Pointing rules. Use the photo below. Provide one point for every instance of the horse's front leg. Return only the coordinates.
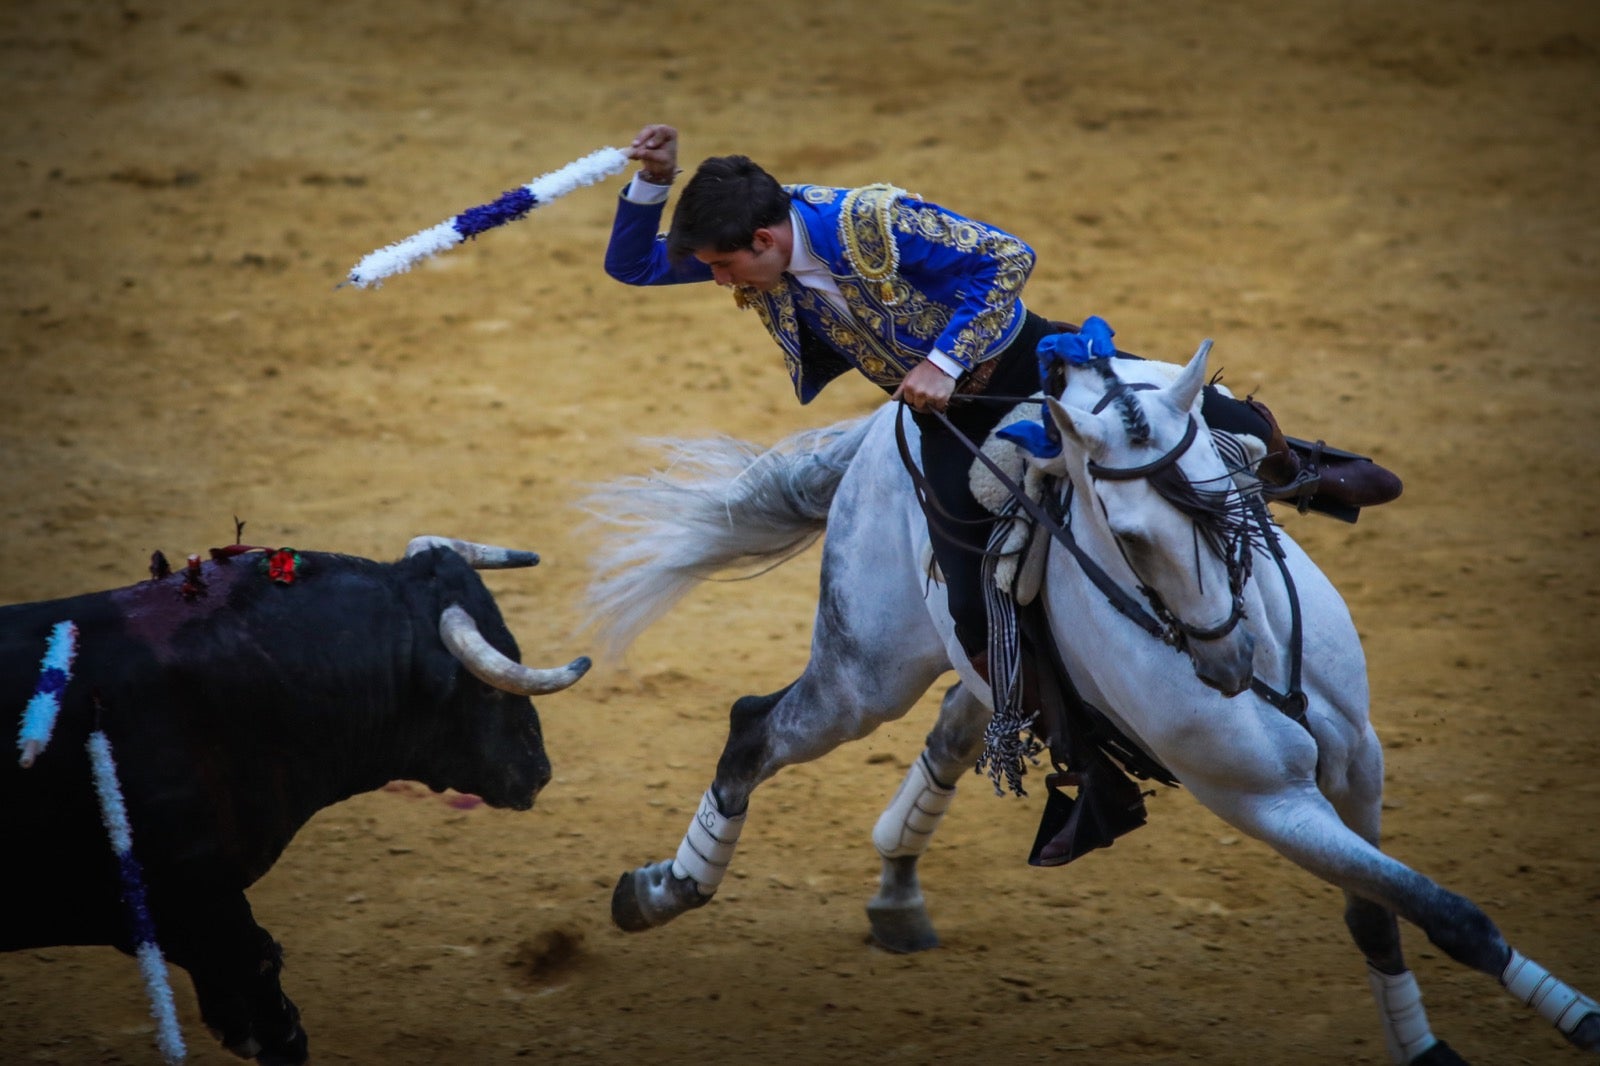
(655, 894)
(898, 914)
(835, 700)
(1357, 797)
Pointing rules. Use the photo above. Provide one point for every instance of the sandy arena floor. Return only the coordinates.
(1385, 215)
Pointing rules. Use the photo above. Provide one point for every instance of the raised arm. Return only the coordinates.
(637, 252)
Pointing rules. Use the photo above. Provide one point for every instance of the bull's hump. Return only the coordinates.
(154, 610)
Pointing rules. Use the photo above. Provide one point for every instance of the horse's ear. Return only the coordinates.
(1082, 428)
(1188, 384)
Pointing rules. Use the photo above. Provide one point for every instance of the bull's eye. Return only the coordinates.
(475, 687)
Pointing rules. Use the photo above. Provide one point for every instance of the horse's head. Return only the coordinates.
(1133, 442)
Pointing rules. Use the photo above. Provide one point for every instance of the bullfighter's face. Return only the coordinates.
(760, 266)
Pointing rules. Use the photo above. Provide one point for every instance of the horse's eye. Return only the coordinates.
(1134, 542)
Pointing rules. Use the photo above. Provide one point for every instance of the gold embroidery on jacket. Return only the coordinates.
(1013, 259)
(882, 363)
(776, 311)
(883, 307)
(865, 231)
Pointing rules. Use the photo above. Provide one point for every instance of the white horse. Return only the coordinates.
(1310, 788)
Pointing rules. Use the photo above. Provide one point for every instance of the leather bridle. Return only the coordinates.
(1234, 547)
(1158, 621)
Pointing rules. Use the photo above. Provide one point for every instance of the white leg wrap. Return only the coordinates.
(907, 824)
(1405, 1023)
(707, 847)
(1556, 1001)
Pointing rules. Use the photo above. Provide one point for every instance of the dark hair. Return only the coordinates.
(723, 205)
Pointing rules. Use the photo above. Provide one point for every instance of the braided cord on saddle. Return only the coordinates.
(1010, 740)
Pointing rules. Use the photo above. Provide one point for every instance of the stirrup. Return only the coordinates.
(1301, 490)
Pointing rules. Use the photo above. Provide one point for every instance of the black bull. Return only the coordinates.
(240, 697)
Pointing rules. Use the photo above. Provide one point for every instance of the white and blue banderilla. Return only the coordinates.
(55, 673)
(114, 812)
(402, 255)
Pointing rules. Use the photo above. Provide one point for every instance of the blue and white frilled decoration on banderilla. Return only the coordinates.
(402, 255)
(38, 723)
(39, 717)
(114, 812)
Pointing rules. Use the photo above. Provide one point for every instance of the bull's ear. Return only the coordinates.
(1081, 428)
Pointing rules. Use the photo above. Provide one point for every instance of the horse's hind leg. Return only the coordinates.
(898, 914)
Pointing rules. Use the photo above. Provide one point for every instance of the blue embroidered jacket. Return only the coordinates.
(915, 276)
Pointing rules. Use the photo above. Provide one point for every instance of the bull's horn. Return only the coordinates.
(478, 556)
(487, 664)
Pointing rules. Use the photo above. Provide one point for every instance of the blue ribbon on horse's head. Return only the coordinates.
(1039, 438)
(1091, 342)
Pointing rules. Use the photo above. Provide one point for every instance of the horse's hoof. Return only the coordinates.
(652, 896)
(900, 929)
(625, 909)
(1586, 1036)
(1440, 1054)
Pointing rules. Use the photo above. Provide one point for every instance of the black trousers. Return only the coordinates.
(960, 533)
